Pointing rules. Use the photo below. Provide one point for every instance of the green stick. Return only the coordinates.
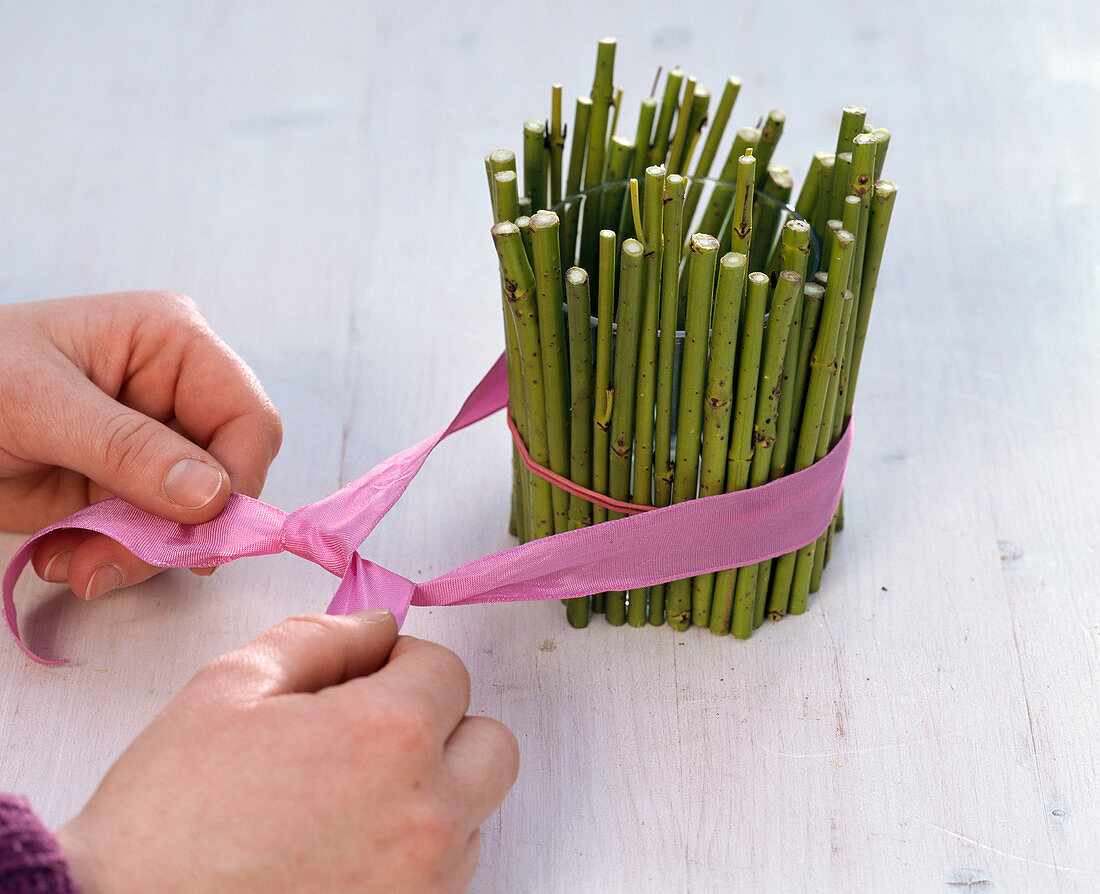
(769, 137)
(492, 187)
(646, 387)
(683, 122)
(740, 452)
(861, 184)
(601, 386)
(617, 105)
(841, 173)
(642, 135)
(618, 167)
(721, 199)
(524, 224)
(822, 362)
(710, 147)
(628, 319)
(738, 231)
(502, 160)
(579, 306)
(792, 250)
(658, 150)
(696, 123)
(672, 231)
(556, 143)
(813, 301)
(804, 561)
(823, 199)
(597, 147)
(573, 179)
(701, 265)
(852, 120)
(882, 137)
(718, 404)
(768, 214)
(519, 293)
(506, 200)
(882, 206)
(808, 194)
(534, 164)
(785, 307)
(520, 507)
(548, 284)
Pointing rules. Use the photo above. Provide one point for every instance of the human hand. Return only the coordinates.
(328, 754)
(132, 395)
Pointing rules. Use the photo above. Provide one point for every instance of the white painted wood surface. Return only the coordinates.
(312, 174)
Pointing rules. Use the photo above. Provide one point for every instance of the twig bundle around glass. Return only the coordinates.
(671, 336)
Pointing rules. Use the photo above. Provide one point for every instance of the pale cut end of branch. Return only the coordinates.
(504, 228)
(759, 279)
(791, 276)
(501, 157)
(781, 175)
(701, 242)
(733, 259)
(632, 247)
(504, 176)
(576, 276)
(543, 219)
(855, 110)
(814, 292)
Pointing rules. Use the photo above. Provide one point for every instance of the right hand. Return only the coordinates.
(328, 754)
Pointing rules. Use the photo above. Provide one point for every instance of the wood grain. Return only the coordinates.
(311, 174)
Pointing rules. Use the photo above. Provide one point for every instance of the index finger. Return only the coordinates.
(212, 396)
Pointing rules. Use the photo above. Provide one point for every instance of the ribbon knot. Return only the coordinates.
(683, 540)
(302, 537)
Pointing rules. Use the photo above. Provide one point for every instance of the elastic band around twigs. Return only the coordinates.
(566, 484)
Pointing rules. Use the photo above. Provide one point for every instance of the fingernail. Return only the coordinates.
(191, 483)
(373, 614)
(104, 579)
(204, 572)
(57, 569)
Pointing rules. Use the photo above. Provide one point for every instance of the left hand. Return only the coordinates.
(129, 394)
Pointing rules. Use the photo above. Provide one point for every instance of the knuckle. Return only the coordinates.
(412, 727)
(451, 666)
(177, 302)
(130, 441)
(435, 831)
(212, 678)
(299, 627)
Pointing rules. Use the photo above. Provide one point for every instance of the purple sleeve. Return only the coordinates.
(31, 861)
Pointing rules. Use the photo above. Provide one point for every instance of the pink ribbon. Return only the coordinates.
(696, 537)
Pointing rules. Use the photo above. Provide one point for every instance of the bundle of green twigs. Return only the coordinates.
(709, 356)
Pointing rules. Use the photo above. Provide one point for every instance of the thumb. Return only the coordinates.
(131, 455)
(306, 653)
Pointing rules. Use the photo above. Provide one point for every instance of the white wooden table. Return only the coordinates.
(311, 173)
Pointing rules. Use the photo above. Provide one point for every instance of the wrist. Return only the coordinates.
(83, 864)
